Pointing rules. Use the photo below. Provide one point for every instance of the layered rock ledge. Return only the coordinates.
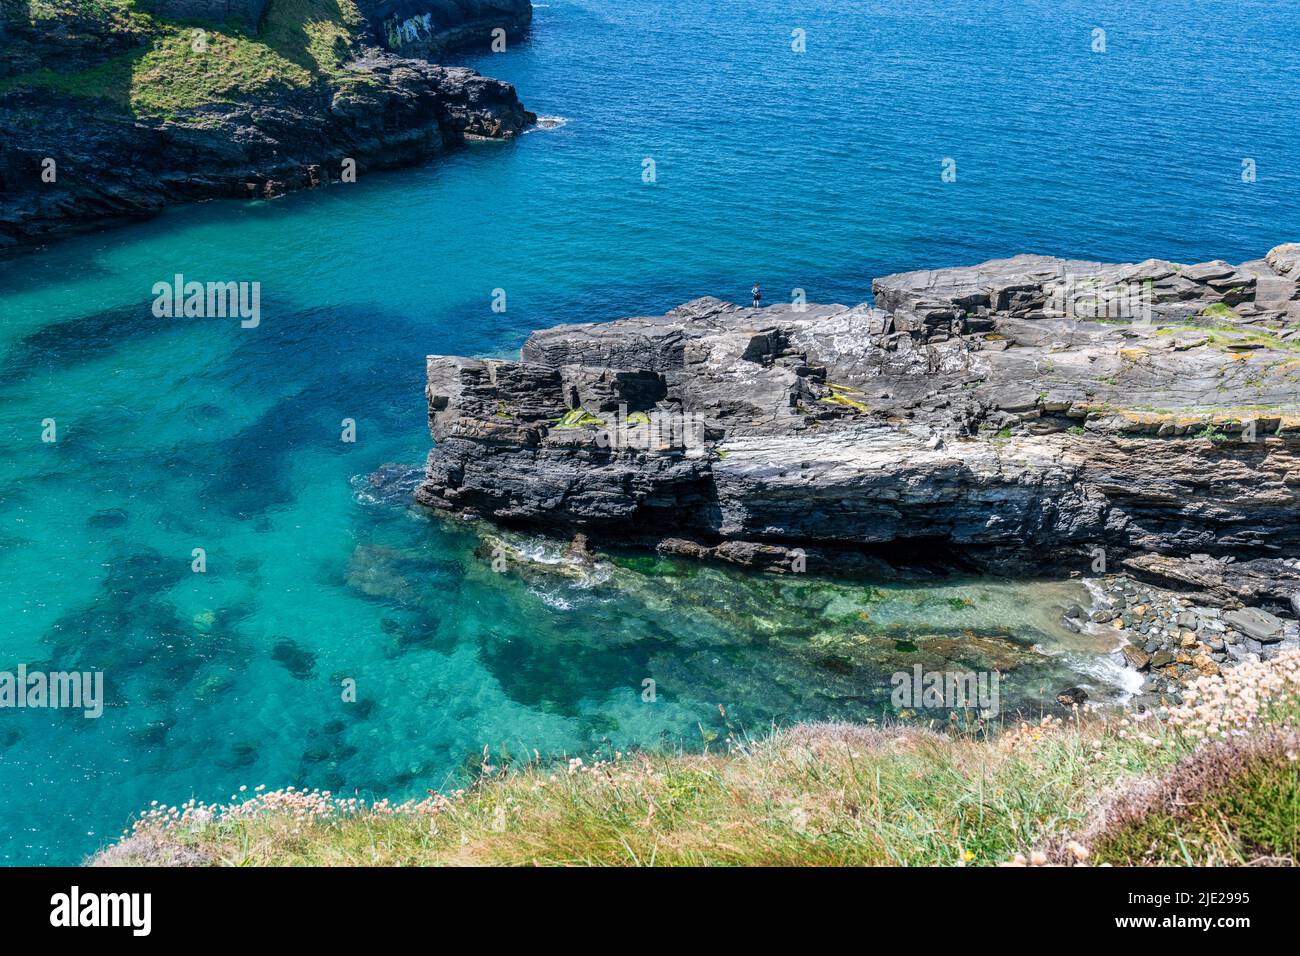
(1008, 416)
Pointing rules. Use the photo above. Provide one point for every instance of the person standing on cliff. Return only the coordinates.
(758, 295)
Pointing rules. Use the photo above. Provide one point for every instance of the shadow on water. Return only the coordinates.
(130, 627)
(55, 348)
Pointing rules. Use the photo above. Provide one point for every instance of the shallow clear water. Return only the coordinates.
(816, 171)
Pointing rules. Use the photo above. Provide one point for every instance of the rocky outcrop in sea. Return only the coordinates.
(432, 28)
(65, 84)
(1026, 415)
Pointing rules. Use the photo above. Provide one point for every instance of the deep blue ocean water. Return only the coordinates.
(817, 171)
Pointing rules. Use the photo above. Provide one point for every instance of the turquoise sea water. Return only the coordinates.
(816, 171)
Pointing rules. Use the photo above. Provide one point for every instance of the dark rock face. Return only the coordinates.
(979, 411)
(215, 11)
(1270, 582)
(113, 165)
(430, 28)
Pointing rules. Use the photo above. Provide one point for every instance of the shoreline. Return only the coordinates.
(1130, 604)
(1134, 423)
(84, 156)
(1167, 637)
(963, 419)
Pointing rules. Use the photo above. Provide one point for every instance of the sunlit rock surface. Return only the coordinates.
(1014, 415)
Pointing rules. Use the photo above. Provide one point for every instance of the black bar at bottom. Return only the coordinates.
(306, 906)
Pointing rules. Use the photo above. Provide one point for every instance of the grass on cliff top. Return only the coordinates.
(1105, 790)
(301, 43)
(109, 12)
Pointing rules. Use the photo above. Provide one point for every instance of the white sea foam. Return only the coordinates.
(1107, 668)
(553, 599)
(545, 123)
(1109, 672)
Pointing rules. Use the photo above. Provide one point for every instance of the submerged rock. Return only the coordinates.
(768, 646)
(401, 576)
(389, 484)
(1072, 697)
(296, 659)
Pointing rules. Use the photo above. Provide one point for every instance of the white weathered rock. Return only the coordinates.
(1285, 260)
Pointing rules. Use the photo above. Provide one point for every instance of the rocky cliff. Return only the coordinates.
(1017, 415)
(109, 111)
(430, 28)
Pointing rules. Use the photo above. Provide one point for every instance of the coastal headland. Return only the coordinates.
(117, 110)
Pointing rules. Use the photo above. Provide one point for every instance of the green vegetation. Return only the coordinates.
(1213, 434)
(1215, 784)
(1226, 336)
(654, 566)
(302, 44)
(112, 13)
(840, 396)
(579, 418)
(1242, 801)
(1219, 310)
(1003, 432)
(819, 795)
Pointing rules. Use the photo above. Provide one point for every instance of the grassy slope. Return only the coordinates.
(1132, 791)
(301, 43)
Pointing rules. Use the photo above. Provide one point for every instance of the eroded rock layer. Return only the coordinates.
(1020, 413)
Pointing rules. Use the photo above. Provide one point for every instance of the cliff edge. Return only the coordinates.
(1017, 415)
